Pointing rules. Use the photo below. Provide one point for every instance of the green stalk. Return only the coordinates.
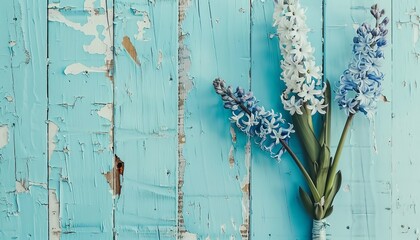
(309, 114)
(308, 179)
(338, 152)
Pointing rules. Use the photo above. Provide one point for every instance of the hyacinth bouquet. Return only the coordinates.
(306, 95)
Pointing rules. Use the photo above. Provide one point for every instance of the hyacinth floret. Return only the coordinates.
(302, 77)
(360, 85)
(267, 128)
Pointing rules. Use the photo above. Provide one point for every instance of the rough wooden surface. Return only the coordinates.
(123, 137)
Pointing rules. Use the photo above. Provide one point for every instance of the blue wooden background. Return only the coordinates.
(110, 128)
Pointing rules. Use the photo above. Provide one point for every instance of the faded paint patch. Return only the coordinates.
(114, 176)
(188, 236)
(245, 187)
(4, 136)
(102, 42)
(106, 112)
(129, 47)
(414, 21)
(52, 132)
(141, 26)
(232, 156)
(20, 186)
(184, 86)
(233, 134)
(160, 60)
(77, 68)
(9, 98)
(54, 215)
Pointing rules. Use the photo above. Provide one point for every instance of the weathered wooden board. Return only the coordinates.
(405, 132)
(80, 97)
(23, 115)
(214, 162)
(146, 109)
(124, 138)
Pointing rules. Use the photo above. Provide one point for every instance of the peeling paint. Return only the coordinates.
(106, 111)
(101, 43)
(188, 236)
(141, 26)
(245, 187)
(9, 98)
(54, 215)
(4, 136)
(232, 156)
(160, 59)
(77, 68)
(114, 176)
(20, 187)
(129, 47)
(184, 86)
(233, 134)
(52, 132)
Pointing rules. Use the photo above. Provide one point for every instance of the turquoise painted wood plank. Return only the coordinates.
(80, 116)
(214, 158)
(276, 209)
(146, 118)
(363, 207)
(23, 104)
(405, 131)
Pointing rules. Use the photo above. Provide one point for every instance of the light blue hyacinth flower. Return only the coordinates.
(267, 128)
(360, 85)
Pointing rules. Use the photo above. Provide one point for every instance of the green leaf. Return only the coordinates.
(324, 166)
(307, 202)
(326, 131)
(335, 188)
(307, 137)
(319, 212)
(329, 211)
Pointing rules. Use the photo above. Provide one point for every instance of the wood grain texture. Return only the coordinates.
(80, 121)
(124, 137)
(146, 118)
(405, 131)
(215, 203)
(23, 104)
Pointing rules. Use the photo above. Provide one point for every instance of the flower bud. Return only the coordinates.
(385, 21)
(381, 42)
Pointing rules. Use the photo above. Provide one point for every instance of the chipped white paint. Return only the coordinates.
(415, 22)
(141, 26)
(106, 112)
(54, 215)
(223, 228)
(188, 236)
(244, 228)
(232, 156)
(102, 42)
(9, 98)
(4, 136)
(12, 43)
(52, 132)
(160, 59)
(20, 187)
(77, 68)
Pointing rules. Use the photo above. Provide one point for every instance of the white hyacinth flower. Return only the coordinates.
(303, 78)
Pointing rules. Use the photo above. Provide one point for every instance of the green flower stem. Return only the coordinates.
(338, 152)
(308, 179)
(308, 113)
